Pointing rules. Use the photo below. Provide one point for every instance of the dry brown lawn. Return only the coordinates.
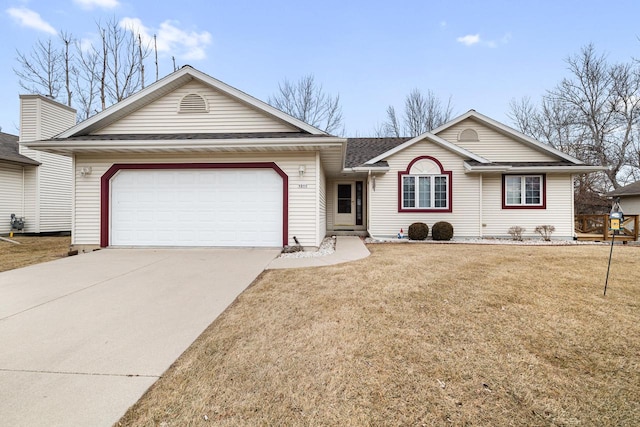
(419, 335)
(32, 250)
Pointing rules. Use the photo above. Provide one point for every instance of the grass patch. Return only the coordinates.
(32, 250)
(419, 335)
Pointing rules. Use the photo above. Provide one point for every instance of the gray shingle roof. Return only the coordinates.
(360, 150)
(188, 136)
(627, 190)
(9, 151)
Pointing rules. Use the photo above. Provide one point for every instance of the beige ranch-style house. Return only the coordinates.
(192, 161)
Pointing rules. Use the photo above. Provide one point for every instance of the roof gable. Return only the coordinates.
(433, 138)
(503, 129)
(196, 107)
(135, 107)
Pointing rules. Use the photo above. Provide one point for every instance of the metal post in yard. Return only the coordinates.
(606, 282)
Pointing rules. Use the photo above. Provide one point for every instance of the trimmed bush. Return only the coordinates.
(418, 231)
(516, 232)
(442, 231)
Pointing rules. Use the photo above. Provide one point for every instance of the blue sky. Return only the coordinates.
(371, 53)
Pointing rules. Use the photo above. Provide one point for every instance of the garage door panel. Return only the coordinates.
(198, 207)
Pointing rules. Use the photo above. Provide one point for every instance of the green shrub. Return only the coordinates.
(442, 231)
(418, 231)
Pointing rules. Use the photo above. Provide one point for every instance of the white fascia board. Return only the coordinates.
(379, 169)
(534, 169)
(510, 131)
(434, 138)
(192, 72)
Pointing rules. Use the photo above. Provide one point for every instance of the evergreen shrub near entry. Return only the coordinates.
(442, 231)
(418, 231)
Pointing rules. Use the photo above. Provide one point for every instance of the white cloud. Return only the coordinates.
(469, 39)
(92, 4)
(30, 19)
(473, 39)
(186, 45)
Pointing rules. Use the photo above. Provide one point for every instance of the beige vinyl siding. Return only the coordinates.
(558, 212)
(386, 221)
(225, 114)
(55, 193)
(630, 205)
(11, 181)
(493, 145)
(322, 200)
(42, 118)
(47, 197)
(30, 200)
(302, 190)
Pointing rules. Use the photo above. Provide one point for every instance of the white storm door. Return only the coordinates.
(345, 206)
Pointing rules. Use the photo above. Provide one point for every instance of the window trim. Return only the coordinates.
(446, 173)
(543, 191)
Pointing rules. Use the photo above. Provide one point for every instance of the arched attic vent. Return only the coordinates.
(193, 103)
(468, 135)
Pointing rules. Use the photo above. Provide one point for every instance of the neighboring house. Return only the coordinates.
(13, 169)
(629, 198)
(36, 185)
(191, 161)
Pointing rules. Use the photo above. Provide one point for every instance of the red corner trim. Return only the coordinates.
(442, 172)
(105, 187)
(544, 192)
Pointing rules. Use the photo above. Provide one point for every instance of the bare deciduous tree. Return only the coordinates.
(422, 113)
(88, 75)
(41, 71)
(307, 101)
(594, 115)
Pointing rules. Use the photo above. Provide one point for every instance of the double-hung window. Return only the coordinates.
(523, 191)
(425, 192)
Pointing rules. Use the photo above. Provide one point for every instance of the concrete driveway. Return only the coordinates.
(82, 338)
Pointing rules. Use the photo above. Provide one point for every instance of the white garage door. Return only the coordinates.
(196, 207)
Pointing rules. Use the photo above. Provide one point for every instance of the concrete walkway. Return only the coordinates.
(348, 248)
(82, 338)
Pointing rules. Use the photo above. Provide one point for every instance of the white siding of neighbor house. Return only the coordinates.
(11, 177)
(493, 145)
(558, 212)
(322, 200)
(225, 114)
(303, 191)
(386, 221)
(630, 205)
(31, 210)
(47, 187)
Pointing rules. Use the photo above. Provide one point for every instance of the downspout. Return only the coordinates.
(319, 238)
(368, 200)
(481, 209)
(573, 209)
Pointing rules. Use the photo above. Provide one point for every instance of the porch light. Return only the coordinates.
(301, 170)
(85, 171)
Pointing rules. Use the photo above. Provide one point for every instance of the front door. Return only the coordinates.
(345, 212)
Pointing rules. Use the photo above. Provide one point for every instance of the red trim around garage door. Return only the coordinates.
(106, 179)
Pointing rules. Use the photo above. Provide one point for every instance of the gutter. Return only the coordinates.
(150, 145)
(547, 169)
